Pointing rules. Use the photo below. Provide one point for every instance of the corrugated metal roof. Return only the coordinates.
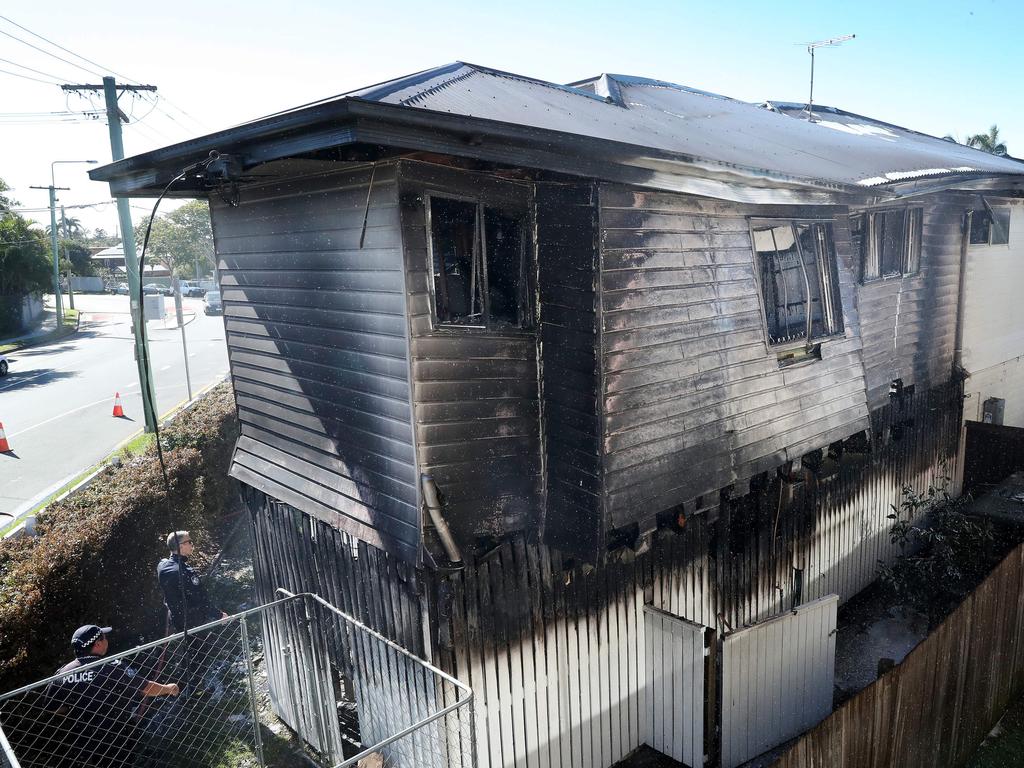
(838, 147)
(662, 129)
(899, 153)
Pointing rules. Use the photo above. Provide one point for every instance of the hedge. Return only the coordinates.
(95, 557)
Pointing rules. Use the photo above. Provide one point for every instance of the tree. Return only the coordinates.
(182, 240)
(986, 142)
(69, 227)
(24, 264)
(78, 254)
(100, 238)
(6, 202)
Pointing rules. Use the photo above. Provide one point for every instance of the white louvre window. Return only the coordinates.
(796, 261)
(890, 243)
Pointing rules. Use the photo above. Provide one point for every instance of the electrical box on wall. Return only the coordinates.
(992, 410)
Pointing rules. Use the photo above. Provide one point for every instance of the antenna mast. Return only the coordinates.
(832, 42)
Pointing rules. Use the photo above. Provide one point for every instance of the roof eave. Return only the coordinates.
(962, 182)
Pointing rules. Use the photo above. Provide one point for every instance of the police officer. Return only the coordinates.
(100, 703)
(187, 603)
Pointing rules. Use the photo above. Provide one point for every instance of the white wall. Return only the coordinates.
(993, 340)
(1005, 380)
(994, 299)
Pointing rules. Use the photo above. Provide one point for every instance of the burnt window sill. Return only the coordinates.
(788, 358)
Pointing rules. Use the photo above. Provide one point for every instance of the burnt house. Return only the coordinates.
(596, 395)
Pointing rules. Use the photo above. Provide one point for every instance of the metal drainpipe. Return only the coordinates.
(958, 346)
(433, 502)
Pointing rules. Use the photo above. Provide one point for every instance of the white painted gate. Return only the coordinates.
(777, 679)
(673, 720)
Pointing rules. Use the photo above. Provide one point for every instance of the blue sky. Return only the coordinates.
(939, 67)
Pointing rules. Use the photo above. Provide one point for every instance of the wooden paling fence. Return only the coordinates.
(937, 706)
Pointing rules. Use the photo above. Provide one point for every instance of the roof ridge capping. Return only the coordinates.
(609, 86)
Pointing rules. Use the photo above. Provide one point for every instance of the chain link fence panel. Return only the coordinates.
(353, 696)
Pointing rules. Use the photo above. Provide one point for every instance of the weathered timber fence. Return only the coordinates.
(937, 706)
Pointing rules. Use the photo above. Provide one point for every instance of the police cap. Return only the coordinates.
(85, 636)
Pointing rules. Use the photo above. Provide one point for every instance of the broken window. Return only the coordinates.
(479, 263)
(890, 242)
(990, 226)
(799, 281)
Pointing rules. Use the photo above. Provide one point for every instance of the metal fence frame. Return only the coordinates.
(463, 697)
(464, 689)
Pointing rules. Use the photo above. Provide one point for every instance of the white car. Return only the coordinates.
(3, 365)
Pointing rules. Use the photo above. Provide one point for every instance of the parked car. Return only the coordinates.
(121, 289)
(157, 289)
(213, 304)
(3, 365)
(190, 288)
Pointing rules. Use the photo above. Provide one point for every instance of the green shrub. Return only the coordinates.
(95, 558)
(944, 553)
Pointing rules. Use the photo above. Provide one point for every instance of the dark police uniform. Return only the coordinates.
(174, 571)
(101, 708)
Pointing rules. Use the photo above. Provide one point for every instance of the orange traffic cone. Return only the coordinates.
(5, 447)
(118, 410)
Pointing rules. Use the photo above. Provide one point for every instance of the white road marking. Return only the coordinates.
(67, 413)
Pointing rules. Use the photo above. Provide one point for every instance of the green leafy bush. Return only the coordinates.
(95, 558)
(944, 553)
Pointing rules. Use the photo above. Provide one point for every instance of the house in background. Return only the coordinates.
(112, 259)
(595, 395)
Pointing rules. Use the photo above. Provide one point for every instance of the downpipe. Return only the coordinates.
(433, 501)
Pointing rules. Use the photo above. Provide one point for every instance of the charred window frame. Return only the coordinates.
(990, 226)
(889, 242)
(479, 258)
(799, 279)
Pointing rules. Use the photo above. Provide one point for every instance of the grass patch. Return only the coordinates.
(135, 446)
(69, 326)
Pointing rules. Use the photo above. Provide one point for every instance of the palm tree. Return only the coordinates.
(69, 227)
(988, 142)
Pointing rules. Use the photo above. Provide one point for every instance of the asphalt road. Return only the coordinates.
(56, 402)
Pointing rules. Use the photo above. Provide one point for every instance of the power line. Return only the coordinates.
(163, 99)
(38, 72)
(49, 53)
(61, 47)
(67, 207)
(27, 77)
(41, 113)
(49, 117)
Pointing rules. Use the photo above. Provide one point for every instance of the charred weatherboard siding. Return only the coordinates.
(908, 322)
(693, 399)
(567, 266)
(316, 334)
(475, 390)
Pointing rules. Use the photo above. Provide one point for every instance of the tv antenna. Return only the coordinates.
(832, 42)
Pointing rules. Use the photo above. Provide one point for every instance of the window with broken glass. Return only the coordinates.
(479, 260)
(796, 261)
(889, 242)
(990, 226)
